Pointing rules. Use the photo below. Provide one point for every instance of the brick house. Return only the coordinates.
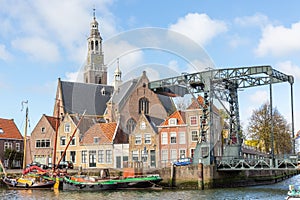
(104, 145)
(11, 144)
(42, 140)
(174, 140)
(144, 142)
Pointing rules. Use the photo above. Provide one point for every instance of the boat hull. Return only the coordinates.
(14, 184)
(138, 182)
(69, 184)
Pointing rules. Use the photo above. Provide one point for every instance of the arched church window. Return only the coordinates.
(143, 106)
(130, 125)
(92, 45)
(97, 45)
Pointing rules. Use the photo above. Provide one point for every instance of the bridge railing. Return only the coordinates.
(257, 163)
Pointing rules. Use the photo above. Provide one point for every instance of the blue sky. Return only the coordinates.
(41, 41)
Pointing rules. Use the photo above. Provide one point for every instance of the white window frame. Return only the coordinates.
(138, 139)
(193, 118)
(67, 127)
(173, 136)
(147, 138)
(164, 138)
(164, 155)
(182, 153)
(182, 138)
(173, 154)
(193, 132)
(108, 156)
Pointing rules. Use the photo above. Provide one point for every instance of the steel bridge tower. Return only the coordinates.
(222, 85)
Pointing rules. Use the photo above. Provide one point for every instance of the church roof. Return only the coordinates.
(80, 97)
(154, 122)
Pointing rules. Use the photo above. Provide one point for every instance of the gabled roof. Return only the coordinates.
(9, 130)
(154, 122)
(179, 115)
(104, 131)
(195, 105)
(80, 97)
(52, 121)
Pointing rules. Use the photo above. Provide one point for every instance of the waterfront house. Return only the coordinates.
(42, 140)
(11, 144)
(174, 141)
(144, 142)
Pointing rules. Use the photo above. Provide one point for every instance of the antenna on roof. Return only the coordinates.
(94, 12)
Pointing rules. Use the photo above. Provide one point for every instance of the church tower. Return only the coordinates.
(95, 71)
(117, 77)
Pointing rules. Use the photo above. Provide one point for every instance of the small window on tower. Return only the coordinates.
(1, 131)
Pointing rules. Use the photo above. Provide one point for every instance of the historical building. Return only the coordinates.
(174, 140)
(42, 140)
(11, 144)
(143, 142)
(95, 71)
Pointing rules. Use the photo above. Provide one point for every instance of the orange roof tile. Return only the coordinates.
(194, 104)
(179, 115)
(108, 130)
(52, 121)
(9, 129)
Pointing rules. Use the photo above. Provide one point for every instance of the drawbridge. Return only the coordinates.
(222, 85)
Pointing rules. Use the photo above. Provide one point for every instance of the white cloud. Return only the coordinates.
(289, 68)
(199, 27)
(279, 40)
(259, 97)
(257, 19)
(4, 54)
(74, 77)
(37, 48)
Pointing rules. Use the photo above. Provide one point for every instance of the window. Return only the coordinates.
(64, 158)
(1, 131)
(144, 155)
(164, 155)
(138, 139)
(130, 126)
(108, 156)
(182, 138)
(173, 138)
(63, 140)
(73, 156)
(143, 106)
(193, 120)
(164, 138)
(18, 147)
(172, 121)
(100, 156)
(143, 126)
(7, 145)
(192, 153)
(92, 158)
(43, 130)
(96, 140)
(182, 153)
(173, 154)
(147, 138)
(194, 136)
(135, 155)
(67, 127)
(83, 156)
(42, 143)
(73, 141)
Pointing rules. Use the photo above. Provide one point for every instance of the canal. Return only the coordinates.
(274, 191)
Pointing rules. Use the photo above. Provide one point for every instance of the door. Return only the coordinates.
(92, 158)
(152, 158)
(118, 160)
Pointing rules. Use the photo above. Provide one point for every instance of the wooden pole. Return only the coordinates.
(25, 139)
(200, 177)
(55, 138)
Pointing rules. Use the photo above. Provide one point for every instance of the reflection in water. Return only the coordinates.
(274, 191)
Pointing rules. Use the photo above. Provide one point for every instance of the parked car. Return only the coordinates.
(43, 166)
(65, 165)
(183, 161)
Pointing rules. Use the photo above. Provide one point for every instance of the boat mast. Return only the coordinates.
(64, 153)
(25, 135)
(55, 139)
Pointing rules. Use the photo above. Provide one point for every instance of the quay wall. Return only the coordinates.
(191, 177)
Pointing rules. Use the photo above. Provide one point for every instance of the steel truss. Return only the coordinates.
(223, 85)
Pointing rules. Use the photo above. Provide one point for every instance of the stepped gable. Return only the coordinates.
(9, 130)
(80, 97)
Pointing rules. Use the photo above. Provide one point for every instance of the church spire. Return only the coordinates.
(117, 76)
(95, 70)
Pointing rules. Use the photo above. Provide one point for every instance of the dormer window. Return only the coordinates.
(1, 131)
(172, 121)
(143, 126)
(103, 91)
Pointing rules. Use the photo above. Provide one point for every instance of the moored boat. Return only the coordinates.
(139, 182)
(86, 183)
(293, 193)
(28, 182)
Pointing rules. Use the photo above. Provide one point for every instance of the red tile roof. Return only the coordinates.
(179, 115)
(108, 130)
(52, 121)
(195, 105)
(9, 129)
